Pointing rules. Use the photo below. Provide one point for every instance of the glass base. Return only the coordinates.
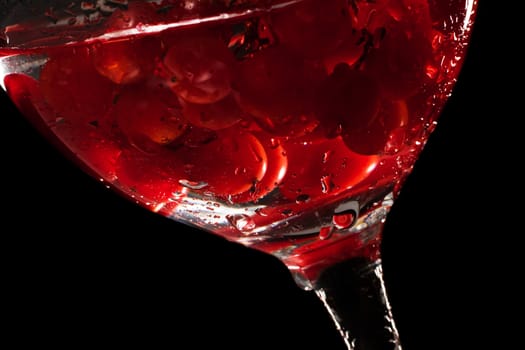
(353, 292)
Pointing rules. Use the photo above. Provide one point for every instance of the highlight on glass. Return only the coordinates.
(285, 126)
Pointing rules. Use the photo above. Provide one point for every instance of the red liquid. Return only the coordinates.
(283, 130)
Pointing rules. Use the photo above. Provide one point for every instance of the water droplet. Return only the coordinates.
(325, 232)
(431, 71)
(261, 212)
(301, 280)
(194, 185)
(396, 140)
(343, 220)
(274, 143)
(326, 156)
(241, 222)
(177, 196)
(326, 183)
(302, 198)
(287, 212)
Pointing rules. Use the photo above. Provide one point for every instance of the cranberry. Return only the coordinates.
(83, 140)
(218, 115)
(149, 116)
(399, 64)
(150, 178)
(276, 87)
(125, 62)
(349, 52)
(347, 100)
(312, 28)
(25, 93)
(73, 88)
(200, 65)
(399, 60)
(229, 164)
(275, 170)
(372, 138)
(322, 168)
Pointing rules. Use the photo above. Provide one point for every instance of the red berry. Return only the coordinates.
(25, 93)
(399, 59)
(81, 141)
(200, 66)
(149, 116)
(414, 15)
(125, 62)
(73, 88)
(277, 87)
(276, 168)
(215, 116)
(149, 178)
(399, 64)
(323, 168)
(312, 28)
(372, 138)
(347, 100)
(229, 164)
(349, 52)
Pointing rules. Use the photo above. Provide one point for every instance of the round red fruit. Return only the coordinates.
(349, 52)
(276, 87)
(347, 100)
(73, 88)
(149, 116)
(323, 168)
(400, 60)
(200, 66)
(126, 61)
(24, 91)
(374, 137)
(313, 28)
(215, 116)
(149, 178)
(276, 168)
(227, 165)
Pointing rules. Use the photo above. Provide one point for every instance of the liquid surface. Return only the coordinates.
(285, 126)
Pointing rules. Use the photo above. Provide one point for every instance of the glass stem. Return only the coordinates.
(354, 294)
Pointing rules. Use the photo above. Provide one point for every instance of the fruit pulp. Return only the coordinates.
(289, 128)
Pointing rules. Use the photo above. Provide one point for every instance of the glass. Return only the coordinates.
(347, 224)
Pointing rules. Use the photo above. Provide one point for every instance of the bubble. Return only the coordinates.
(325, 232)
(241, 222)
(194, 185)
(344, 220)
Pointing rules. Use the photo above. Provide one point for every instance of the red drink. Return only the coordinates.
(289, 128)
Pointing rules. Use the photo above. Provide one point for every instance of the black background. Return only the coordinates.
(84, 266)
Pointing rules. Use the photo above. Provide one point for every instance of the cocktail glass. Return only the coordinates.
(286, 126)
